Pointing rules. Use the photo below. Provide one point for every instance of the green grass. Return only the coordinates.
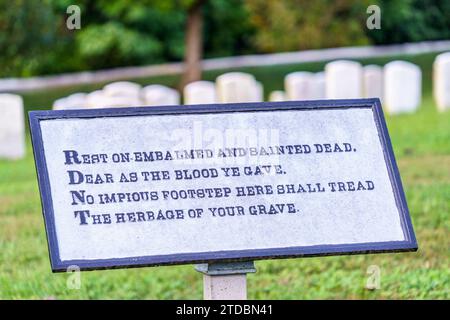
(422, 146)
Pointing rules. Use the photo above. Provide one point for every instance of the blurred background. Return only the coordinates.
(41, 40)
(35, 40)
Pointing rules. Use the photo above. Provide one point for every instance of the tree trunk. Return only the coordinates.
(193, 44)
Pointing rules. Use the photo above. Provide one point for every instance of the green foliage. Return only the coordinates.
(227, 28)
(34, 38)
(296, 24)
(22, 52)
(113, 33)
(412, 20)
(111, 44)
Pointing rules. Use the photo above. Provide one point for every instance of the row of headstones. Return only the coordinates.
(120, 94)
(229, 87)
(398, 84)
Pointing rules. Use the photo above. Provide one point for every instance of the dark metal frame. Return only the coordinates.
(410, 243)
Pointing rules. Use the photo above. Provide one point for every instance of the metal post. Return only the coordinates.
(225, 280)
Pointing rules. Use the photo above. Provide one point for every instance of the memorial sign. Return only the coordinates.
(208, 183)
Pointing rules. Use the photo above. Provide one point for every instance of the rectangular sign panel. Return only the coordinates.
(183, 184)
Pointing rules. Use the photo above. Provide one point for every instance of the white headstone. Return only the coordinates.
(343, 80)
(277, 96)
(441, 81)
(298, 85)
(317, 86)
(237, 87)
(122, 101)
(98, 99)
(159, 95)
(122, 88)
(74, 101)
(61, 104)
(373, 81)
(402, 87)
(257, 92)
(95, 99)
(200, 92)
(12, 127)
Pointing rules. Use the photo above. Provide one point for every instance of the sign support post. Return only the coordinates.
(225, 281)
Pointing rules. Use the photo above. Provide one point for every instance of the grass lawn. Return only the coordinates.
(422, 145)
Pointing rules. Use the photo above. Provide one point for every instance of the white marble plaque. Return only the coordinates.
(139, 188)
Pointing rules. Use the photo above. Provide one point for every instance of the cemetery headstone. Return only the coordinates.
(277, 96)
(402, 87)
(317, 86)
(343, 79)
(122, 88)
(258, 92)
(61, 104)
(12, 127)
(159, 95)
(373, 81)
(441, 81)
(214, 184)
(95, 99)
(235, 87)
(74, 101)
(298, 85)
(200, 92)
(122, 101)
(98, 99)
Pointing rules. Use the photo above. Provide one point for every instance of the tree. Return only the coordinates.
(125, 30)
(193, 43)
